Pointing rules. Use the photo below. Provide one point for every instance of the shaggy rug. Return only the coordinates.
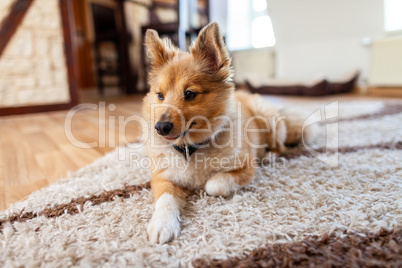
(299, 211)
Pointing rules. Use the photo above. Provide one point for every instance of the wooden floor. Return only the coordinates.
(34, 149)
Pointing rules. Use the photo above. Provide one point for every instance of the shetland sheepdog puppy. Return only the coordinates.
(202, 134)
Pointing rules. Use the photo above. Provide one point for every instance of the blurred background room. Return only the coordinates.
(56, 54)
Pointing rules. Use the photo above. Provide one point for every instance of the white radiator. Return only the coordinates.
(386, 63)
(254, 63)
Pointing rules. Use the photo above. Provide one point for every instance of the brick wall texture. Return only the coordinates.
(32, 67)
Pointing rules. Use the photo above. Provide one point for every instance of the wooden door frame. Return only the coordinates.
(70, 51)
(129, 76)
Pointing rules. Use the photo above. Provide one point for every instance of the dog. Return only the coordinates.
(195, 116)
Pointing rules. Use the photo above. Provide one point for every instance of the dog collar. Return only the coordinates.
(188, 149)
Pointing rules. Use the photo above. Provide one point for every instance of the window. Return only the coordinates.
(249, 25)
(392, 15)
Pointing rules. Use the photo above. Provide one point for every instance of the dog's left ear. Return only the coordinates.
(210, 48)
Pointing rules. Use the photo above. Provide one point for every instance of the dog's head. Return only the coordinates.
(188, 90)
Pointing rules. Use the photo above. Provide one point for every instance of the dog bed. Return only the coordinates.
(318, 87)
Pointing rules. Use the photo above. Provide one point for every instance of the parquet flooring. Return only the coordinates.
(34, 149)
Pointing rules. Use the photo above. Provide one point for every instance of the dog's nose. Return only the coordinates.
(163, 128)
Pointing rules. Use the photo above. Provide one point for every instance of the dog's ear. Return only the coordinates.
(160, 50)
(210, 48)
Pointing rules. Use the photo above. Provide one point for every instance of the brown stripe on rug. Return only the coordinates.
(77, 205)
(382, 249)
(343, 150)
(388, 109)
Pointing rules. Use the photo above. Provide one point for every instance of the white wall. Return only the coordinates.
(323, 37)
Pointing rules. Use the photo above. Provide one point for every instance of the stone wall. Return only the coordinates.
(32, 67)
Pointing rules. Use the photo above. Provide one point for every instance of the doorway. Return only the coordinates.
(103, 48)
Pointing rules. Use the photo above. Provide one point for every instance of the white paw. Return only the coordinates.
(163, 229)
(221, 184)
(165, 223)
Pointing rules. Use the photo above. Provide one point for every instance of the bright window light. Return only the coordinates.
(393, 15)
(259, 5)
(259, 35)
(237, 29)
(249, 25)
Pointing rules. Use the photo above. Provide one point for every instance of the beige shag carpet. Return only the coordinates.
(299, 211)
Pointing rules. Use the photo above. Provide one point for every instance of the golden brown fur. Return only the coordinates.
(205, 70)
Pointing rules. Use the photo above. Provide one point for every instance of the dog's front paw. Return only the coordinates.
(221, 184)
(165, 223)
(163, 229)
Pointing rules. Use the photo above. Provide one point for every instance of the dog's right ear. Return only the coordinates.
(160, 50)
(210, 48)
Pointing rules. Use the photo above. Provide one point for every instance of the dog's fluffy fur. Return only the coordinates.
(214, 118)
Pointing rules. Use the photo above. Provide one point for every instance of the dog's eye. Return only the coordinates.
(160, 96)
(189, 95)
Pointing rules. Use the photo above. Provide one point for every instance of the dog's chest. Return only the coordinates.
(194, 172)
